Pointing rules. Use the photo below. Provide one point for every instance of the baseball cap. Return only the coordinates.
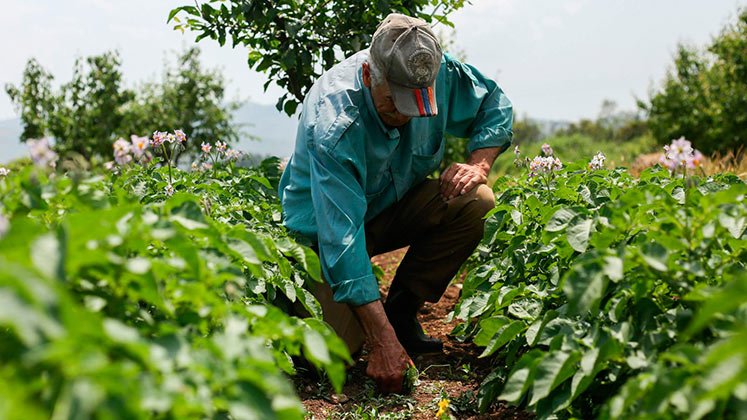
(409, 54)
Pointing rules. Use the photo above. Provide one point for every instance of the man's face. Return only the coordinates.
(382, 99)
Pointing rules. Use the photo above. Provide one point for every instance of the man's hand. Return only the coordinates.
(461, 178)
(388, 360)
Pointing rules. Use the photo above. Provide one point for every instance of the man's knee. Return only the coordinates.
(484, 200)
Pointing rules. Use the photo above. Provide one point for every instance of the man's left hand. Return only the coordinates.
(461, 178)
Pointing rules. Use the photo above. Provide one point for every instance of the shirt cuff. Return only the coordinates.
(490, 137)
(357, 292)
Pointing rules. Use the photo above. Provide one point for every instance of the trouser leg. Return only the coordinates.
(441, 236)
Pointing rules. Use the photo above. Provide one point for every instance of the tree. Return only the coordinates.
(88, 113)
(293, 41)
(189, 98)
(704, 97)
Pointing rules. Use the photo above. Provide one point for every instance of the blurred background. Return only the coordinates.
(621, 77)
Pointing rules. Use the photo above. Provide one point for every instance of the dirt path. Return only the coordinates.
(454, 375)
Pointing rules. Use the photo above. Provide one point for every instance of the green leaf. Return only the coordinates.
(505, 334)
(521, 377)
(48, 255)
(554, 368)
(655, 255)
(315, 347)
(560, 220)
(731, 220)
(584, 285)
(578, 233)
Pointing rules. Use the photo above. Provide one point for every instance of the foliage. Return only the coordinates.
(610, 125)
(294, 41)
(577, 148)
(704, 96)
(608, 296)
(88, 113)
(120, 301)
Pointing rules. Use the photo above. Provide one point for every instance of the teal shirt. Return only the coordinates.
(348, 166)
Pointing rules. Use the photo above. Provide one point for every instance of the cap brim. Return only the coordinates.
(414, 102)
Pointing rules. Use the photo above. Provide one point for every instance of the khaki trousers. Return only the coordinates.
(441, 236)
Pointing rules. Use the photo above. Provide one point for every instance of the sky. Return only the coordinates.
(555, 59)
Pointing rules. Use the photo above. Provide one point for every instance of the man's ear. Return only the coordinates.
(366, 75)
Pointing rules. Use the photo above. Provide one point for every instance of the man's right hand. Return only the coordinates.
(388, 360)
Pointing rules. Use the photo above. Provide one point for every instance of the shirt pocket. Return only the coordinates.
(424, 164)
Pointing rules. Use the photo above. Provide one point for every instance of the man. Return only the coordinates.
(371, 131)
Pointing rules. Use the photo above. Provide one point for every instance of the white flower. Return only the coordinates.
(206, 166)
(516, 151)
(221, 147)
(542, 165)
(597, 162)
(4, 171)
(233, 154)
(169, 190)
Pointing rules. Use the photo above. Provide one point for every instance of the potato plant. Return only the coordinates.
(600, 295)
(121, 299)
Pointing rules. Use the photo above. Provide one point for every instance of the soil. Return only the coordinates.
(456, 374)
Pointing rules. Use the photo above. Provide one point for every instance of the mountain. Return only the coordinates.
(275, 133)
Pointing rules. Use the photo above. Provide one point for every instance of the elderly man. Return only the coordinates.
(371, 131)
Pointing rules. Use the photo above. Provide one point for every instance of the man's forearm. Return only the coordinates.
(484, 158)
(374, 321)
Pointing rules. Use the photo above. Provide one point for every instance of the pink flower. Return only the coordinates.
(180, 136)
(139, 145)
(221, 147)
(158, 138)
(233, 155)
(206, 166)
(206, 147)
(680, 154)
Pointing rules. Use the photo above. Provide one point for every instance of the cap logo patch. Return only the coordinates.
(420, 67)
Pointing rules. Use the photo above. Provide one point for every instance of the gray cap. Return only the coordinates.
(407, 51)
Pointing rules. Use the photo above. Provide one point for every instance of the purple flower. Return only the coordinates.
(41, 153)
(547, 150)
(233, 155)
(180, 136)
(680, 154)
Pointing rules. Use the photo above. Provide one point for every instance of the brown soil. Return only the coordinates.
(456, 374)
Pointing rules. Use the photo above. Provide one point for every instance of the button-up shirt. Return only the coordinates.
(348, 166)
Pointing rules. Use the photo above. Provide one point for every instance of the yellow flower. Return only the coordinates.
(443, 405)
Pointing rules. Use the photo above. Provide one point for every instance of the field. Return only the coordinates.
(146, 291)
